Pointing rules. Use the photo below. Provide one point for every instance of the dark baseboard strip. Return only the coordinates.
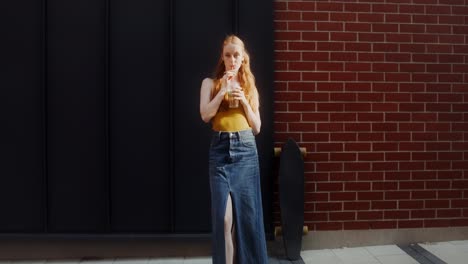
(281, 260)
(420, 254)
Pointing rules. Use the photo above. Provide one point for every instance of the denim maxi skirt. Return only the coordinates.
(234, 169)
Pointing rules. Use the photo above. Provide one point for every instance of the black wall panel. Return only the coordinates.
(99, 106)
(76, 116)
(140, 144)
(21, 117)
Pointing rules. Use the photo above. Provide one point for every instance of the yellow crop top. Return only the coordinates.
(230, 119)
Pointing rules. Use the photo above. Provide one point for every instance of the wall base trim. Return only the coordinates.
(358, 238)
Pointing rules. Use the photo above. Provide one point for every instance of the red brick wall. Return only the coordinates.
(378, 93)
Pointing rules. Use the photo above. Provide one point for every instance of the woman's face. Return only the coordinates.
(232, 56)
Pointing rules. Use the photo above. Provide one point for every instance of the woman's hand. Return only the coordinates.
(238, 94)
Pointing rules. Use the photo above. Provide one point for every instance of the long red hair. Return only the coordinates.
(245, 75)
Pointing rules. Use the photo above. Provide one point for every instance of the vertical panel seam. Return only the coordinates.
(45, 180)
(171, 114)
(107, 117)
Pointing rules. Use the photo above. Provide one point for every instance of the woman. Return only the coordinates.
(236, 205)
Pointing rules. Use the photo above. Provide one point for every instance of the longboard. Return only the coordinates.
(291, 195)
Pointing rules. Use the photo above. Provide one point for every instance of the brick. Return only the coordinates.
(343, 137)
(329, 226)
(397, 77)
(330, 66)
(357, 127)
(315, 16)
(398, 18)
(342, 117)
(301, 6)
(343, 176)
(326, 147)
(420, 48)
(315, 56)
(385, 166)
(397, 195)
(316, 36)
(343, 16)
(330, 46)
(438, 29)
(370, 17)
(315, 76)
(301, 45)
(287, 35)
(411, 146)
(329, 86)
(439, 48)
(357, 67)
(356, 225)
(425, 38)
(329, 6)
(411, 224)
(358, 87)
(301, 86)
(396, 214)
(412, 166)
(371, 56)
(423, 213)
(449, 213)
(428, 223)
(357, 186)
(387, 27)
(343, 76)
(316, 137)
(438, 9)
(385, 87)
(363, 117)
(330, 107)
(343, 56)
(329, 127)
(459, 203)
(370, 176)
(410, 204)
(437, 204)
(384, 8)
(411, 185)
(385, 47)
(425, 19)
(287, 15)
(357, 7)
(459, 222)
(357, 166)
(329, 166)
(357, 147)
(390, 156)
(364, 76)
(328, 206)
(369, 215)
(424, 58)
(358, 27)
(383, 225)
(358, 206)
(412, 9)
(315, 117)
(396, 37)
(342, 196)
(342, 216)
(301, 66)
(370, 195)
(299, 127)
(371, 37)
(330, 26)
(377, 146)
(301, 25)
(370, 136)
(339, 36)
(382, 205)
